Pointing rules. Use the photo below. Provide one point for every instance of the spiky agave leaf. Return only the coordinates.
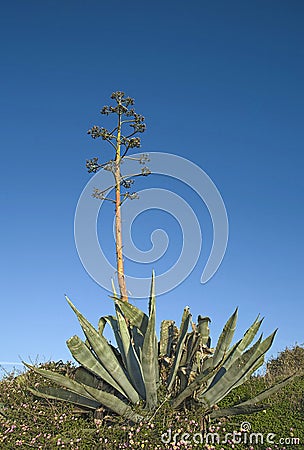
(238, 348)
(166, 337)
(251, 406)
(135, 316)
(57, 393)
(108, 400)
(82, 354)
(236, 410)
(269, 391)
(225, 339)
(179, 347)
(236, 351)
(237, 372)
(204, 331)
(129, 355)
(105, 355)
(149, 354)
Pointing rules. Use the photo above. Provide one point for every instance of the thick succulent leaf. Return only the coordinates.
(55, 393)
(150, 355)
(236, 410)
(238, 348)
(204, 331)
(223, 379)
(166, 337)
(85, 357)
(101, 325)
(108, 400)
(225, 339)
(190, 348)
(247, 376)
(138, 340)
(199, 381)
(62, 380)
(106, 355)
(136, 317)
(237, 372)
(269, 391)
(114, 404)
(129, 355)
(179, 347)
(113, 322)
(82, 375)
(185, 316)
(250, 334)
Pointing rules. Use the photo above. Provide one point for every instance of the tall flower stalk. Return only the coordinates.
(121, 143)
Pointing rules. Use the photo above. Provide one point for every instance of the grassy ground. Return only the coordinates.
(28, 422)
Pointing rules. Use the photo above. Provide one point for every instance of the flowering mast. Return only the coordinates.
(121, 144)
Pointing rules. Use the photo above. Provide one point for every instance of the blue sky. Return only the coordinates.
(221, 84)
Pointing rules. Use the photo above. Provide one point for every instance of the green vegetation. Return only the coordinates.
(28, 422)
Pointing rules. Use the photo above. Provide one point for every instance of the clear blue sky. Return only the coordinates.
(220, 83)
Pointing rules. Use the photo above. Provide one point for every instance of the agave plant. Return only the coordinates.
(126, 379)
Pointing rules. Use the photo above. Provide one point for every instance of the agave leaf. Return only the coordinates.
(84, 376)
(250, 333)
(204, 331)
(269, 391)
(101, 325)
(238, 348)
(179, 347)
(200, 380)
(225, 339)
(250, 371)
(86, 358)
(136, 317)
(236, 410)
(223, 379)
(238, 370)
(149, 354)
(105, 355)
(190, 348)
(113, 322)
(110, 401)
(55, 393)
(129, 355)
(62, 380)
(114, 289)
(166, 337)
(138, 341)
(114, 404)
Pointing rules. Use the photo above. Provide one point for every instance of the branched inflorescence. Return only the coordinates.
(126, 116)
